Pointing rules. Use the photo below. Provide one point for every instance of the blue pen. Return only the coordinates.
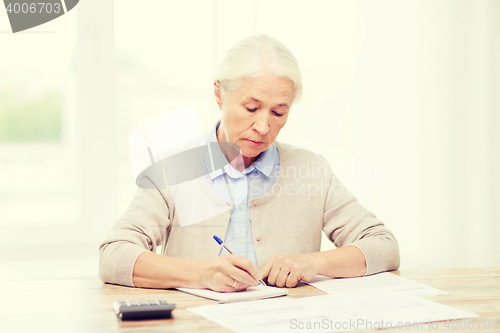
(220, 242)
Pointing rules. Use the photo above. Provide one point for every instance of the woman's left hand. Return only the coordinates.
(288, 270)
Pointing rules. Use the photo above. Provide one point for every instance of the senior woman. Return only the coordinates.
(275, 222)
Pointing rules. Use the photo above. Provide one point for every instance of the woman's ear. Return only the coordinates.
(217, 94)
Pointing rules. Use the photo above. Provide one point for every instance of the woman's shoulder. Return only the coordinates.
(295, 155)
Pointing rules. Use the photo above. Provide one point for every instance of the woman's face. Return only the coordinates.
(254, 113)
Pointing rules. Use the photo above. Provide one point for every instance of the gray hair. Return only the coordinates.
(256, 56)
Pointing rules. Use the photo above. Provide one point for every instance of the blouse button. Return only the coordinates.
(257, 238)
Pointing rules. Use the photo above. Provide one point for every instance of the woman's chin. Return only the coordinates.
(251, 153)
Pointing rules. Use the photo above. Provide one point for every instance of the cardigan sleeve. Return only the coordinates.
(141, 228)
(347, 222)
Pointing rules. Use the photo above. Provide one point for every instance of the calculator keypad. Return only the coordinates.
(143, 309)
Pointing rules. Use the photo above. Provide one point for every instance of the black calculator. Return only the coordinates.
(144, 309)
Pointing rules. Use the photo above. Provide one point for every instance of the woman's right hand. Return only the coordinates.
(228, 273)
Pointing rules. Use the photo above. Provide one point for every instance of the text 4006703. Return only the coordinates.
(470, 324)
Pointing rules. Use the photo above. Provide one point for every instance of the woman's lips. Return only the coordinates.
(254, 143)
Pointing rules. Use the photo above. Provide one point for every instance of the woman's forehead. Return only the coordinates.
(283, 102)
(262, 89)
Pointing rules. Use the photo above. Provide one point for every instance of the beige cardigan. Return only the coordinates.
(305, 199)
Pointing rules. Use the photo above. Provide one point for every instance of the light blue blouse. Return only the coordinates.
(253, 182)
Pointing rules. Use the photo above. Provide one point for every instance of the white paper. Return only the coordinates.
(252, 293)
(384, 280)
(331, 313)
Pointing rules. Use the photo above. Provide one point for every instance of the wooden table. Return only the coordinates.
(86, 305)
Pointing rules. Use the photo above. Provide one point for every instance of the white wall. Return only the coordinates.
(400, 96)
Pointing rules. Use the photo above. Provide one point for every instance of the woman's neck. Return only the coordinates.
(233, 154)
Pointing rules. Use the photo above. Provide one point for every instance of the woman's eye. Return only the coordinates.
(252, 110)
(277, 114)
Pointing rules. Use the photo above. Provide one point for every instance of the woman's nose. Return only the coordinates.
(261, 124)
